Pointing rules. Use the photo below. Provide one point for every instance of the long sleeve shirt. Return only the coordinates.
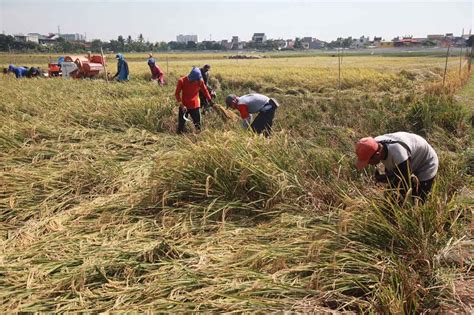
(122, 70)
(156, 72)
(19, 72)
(187, 92)
(250, 104)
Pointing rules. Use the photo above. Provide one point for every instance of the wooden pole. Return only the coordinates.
(342, 55)
(470, 57)
(460, 55)
(339, 59)
(103, 63)
(446, 65)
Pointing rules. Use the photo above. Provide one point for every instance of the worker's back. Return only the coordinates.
(424, 160)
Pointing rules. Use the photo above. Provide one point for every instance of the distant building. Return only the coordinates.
(313, 43)
(281, 43)
(27, 38)
(49, 39)
(73, 37)
(186, 38)
(226, 44)
(235, 43)
(359, 43)
(460, 41)
(435, 37)
(259, 38)
(407, 41)
(290, 43)
(317, 44)
(442, 40)
(385, 44)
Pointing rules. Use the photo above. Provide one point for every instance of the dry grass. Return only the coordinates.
(104, 208)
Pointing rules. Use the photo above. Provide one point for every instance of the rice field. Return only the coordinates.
(104, 208)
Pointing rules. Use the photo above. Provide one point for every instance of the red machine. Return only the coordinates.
(78, 67)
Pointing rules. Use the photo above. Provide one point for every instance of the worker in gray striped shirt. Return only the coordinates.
(409, 160)
(251, 104)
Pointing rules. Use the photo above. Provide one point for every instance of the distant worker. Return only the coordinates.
(187, 95)
(205, 105)
(409, 160)
(19, 72)
(156, 73)
(34, 72)
(251, 104)
(122, 69)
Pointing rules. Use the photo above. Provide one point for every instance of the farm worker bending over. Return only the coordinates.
(255, 103)
(410, 162)
(122, 68)
(19, 72)
(156, 73)
(205, 105)
(187, 94)
(34, 72)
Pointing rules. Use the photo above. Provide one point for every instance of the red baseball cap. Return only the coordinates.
(365, 149)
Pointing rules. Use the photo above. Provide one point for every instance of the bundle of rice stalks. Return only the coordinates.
(226, 114)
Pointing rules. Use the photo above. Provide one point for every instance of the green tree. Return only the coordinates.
(298, 43)
(121, 43)
(96, 45)
(470, 41)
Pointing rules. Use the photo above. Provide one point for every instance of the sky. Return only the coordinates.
(163, 20)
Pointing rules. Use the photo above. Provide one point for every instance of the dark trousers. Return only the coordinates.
(264, 121)
(195, 116)
(419, 190)
(422, 189)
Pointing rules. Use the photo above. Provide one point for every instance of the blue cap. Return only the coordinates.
(195, 74)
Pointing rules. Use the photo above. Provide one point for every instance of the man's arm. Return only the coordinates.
(204, 89)
(244, 113)
(126, 67)
(179, 88)
(401, 176)
(246, 122)
(119, 67)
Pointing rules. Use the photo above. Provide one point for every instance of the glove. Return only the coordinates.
(381, 178)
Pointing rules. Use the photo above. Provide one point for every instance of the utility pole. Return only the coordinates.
(446, 65)
(460, 54)
(59, 30)
(469, 56)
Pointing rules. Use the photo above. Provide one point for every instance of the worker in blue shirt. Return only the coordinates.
(19, 72)
(122, 68)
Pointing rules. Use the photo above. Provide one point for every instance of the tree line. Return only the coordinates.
(122, 44)
(128, 44)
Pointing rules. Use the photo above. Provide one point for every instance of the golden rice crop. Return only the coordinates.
(104, 208)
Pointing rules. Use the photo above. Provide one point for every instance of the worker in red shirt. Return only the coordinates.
(254, 103)
(156, 72)
(187, 95)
